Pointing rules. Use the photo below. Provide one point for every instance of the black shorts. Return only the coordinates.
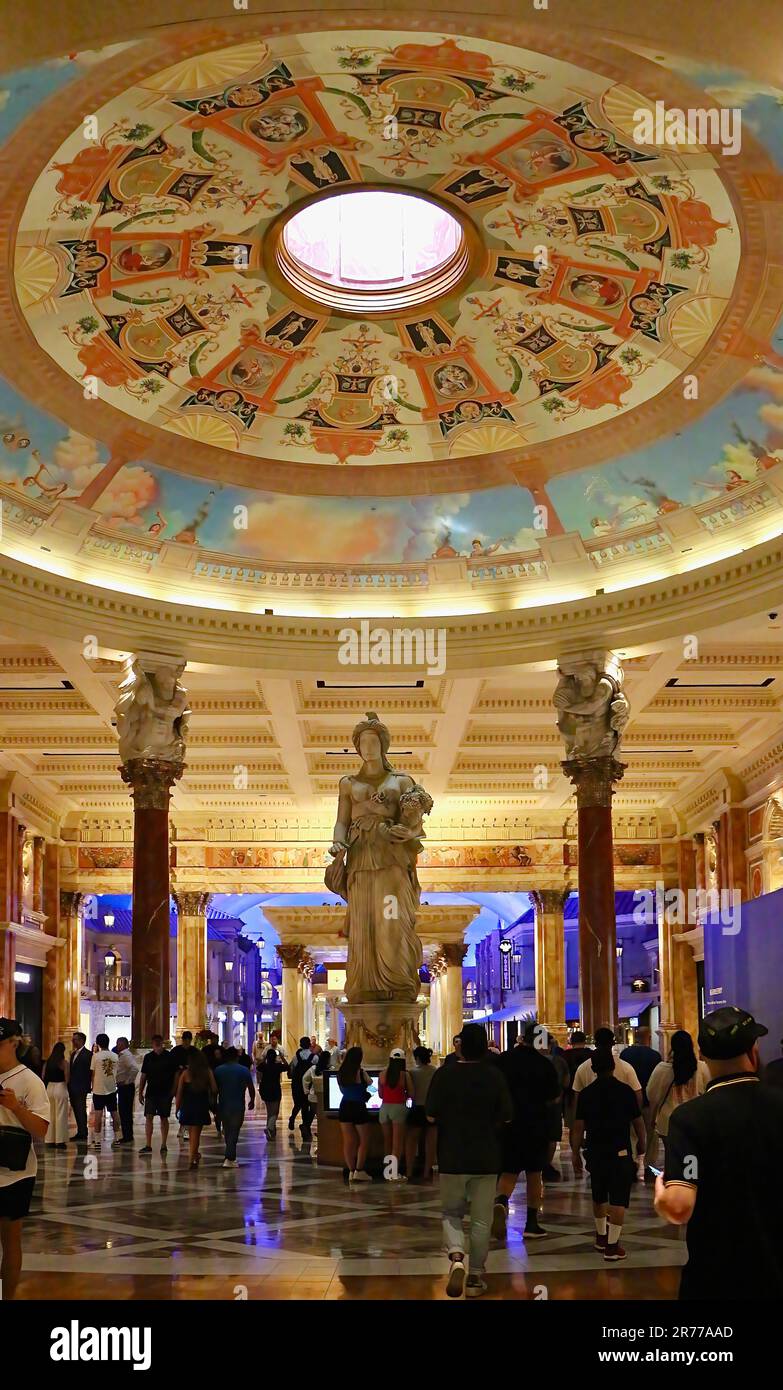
(105, 1102)
(524, 1153)
(157, 1105)
(417, 1117)
(15, 1199)
(554, 1129)
(353, 1112)
(611, 1179)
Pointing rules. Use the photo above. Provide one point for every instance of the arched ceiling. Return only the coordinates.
(597, 404)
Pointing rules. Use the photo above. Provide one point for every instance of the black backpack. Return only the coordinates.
(299, 1067)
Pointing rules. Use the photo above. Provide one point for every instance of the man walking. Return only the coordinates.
(127, 1071)
(79, 1084)
(724, 1155)
(470, 1103)
(104, 1087)
(608, 1110)
(535, 1091)
(301, 1064)
(233, 1080)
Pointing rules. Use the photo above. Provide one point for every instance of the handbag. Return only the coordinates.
(15, 1145)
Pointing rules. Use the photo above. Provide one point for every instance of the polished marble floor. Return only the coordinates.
(114, 1225)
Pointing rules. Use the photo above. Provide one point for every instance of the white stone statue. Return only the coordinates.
(592, 710)
(152, 711)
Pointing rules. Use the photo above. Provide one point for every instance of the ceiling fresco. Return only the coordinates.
(141, 257)
(142, 262)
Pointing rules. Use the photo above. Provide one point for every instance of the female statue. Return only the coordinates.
(377, 838)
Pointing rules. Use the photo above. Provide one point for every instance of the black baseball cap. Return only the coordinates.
(729, 1033)
(9, 1028)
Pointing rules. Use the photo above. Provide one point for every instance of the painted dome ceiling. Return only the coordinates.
(145, 256)
(605, 366)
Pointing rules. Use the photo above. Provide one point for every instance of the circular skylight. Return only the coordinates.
(372, 249)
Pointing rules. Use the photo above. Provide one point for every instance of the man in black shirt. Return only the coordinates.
(606, 1110)
(535, 1091)
(575, 1054)
(179, 1059)
(773, 1071)
(724, 1157)
(644, 1059)
(469, 1102)
(156, 1091)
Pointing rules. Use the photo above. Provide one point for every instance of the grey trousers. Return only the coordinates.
(472, 1193)
(272, 1112)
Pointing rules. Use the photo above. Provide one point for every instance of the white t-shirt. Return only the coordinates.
(30, 1090)
(623, 1071)
(104, 1073)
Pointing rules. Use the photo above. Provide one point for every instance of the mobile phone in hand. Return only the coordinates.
(657, 1171)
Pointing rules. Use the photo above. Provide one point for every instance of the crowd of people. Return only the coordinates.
(481, 1119)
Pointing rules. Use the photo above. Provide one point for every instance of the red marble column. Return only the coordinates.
(151, 781)
(594, 780)
(732, 843)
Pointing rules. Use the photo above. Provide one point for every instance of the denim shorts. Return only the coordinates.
(393, 1113)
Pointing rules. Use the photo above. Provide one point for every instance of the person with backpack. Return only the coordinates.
(269, 1071)
(301, 1064)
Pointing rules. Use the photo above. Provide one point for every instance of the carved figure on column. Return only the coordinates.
(592, 710)
(152, 711)
(377, 839)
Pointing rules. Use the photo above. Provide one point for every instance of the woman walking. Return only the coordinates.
(421, 1079)
(55, 1077)
(196, 1097)
(269, 1071)
(394, 1089)
(680, 1078)
(354, 1120)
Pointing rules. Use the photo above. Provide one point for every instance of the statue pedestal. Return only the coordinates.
(379, 1026)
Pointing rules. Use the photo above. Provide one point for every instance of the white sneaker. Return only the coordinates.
(229, 1163)
(456, 1279)
(361, 1176)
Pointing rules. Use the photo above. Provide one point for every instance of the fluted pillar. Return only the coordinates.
(10, 909)
(679, 1006)
(46, 895)
(453, 953)
(192, 911)
(550, 961)
(70, 964)
(291, 958)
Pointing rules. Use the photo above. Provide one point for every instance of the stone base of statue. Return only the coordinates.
(379, 1026)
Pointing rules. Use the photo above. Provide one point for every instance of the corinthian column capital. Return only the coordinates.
(291, 956)
(190, 904)
(594, 779)
(70, 904)
(454, 952)
(549, 900)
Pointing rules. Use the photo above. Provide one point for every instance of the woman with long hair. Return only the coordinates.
(394, 1088)
(196, 1097)
(354, 1120)
(680, 1078)
(421, 1079)
(55, 1078)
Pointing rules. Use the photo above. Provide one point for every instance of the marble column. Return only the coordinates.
(192, 911)
(291, 958)
(10, 911)
(39, 850)
(47, 899)
(550, 962)
(592, 713)
(306, 971)
(676, 964)
(70, 964)
(152, 718)
(594, 782)
(732, 843)
(453, 954)
(436, 966)
(151, 781)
